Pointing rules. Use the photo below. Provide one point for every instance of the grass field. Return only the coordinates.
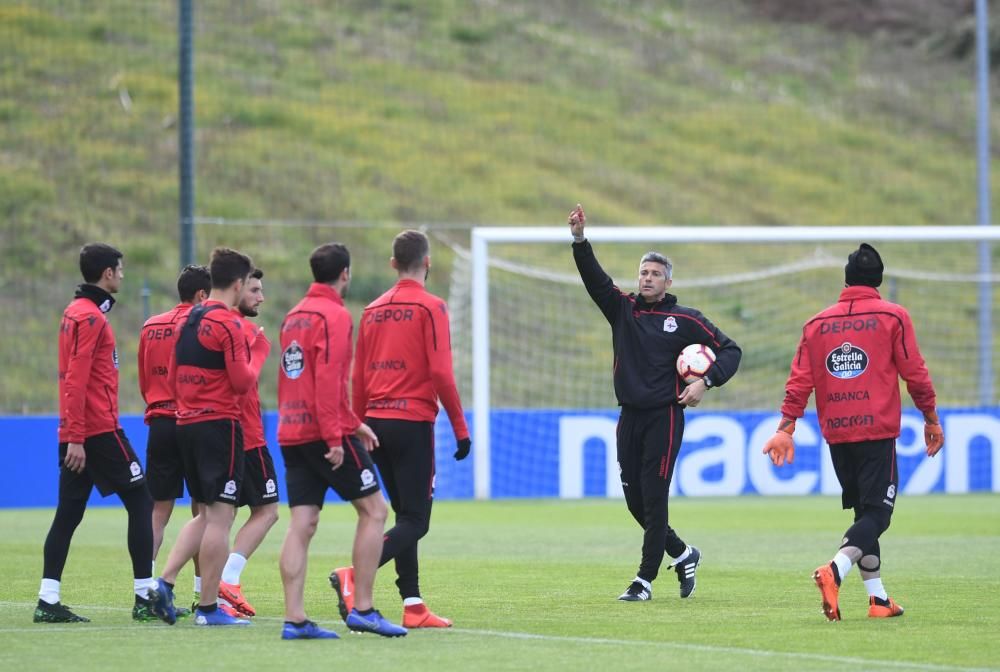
(532, 585)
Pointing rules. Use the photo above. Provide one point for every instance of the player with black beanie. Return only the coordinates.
(852, 354)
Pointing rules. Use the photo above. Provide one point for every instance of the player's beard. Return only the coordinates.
(247, 312)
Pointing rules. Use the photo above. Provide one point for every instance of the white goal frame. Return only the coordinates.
(482, 237)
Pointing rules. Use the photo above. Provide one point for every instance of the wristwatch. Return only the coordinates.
(708, 381)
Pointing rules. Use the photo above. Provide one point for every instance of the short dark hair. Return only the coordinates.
(95, 258)
(227, 266)
(328, 261)
(257, 274)
(658, 258)
(193, 278)
(409, 249)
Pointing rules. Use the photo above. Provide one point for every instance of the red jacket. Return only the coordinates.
(315, 364)
(156, 346)
(250, 420)
(402, 365)
(88, 367)
(213, 368)
(853, 354)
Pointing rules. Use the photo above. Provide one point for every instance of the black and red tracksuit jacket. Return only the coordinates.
(156, 346)
(853, 354)
(403, 363)
(647, 338)
(316, 340)
(212, 366)
(88, 367)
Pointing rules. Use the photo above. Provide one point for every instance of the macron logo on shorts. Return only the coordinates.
(367, 479)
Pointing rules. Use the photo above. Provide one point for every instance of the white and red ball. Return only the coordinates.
(694, 362)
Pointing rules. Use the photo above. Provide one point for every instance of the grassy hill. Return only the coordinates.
(402, 112)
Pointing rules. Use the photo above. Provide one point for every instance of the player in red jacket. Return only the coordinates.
(212, 369)
(164, 466)
(852, 354)
(326, 446)
(402, 367)
(93, 449)
(260, 483)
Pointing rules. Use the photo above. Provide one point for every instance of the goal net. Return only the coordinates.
(533, 349)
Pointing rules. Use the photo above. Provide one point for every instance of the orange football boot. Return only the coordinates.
(879, 608)
(419, 616)
(231, 593)
(342, 581)
(828, 588)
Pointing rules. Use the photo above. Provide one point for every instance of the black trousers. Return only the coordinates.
(648, 443)
(405, 460)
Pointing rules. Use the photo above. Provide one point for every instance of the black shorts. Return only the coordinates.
(867, 472)
(213, 460)
(260, 483)
(308, 474)
(164, 464)
(111, 465)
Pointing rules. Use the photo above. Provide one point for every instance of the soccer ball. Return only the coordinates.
(694, 362)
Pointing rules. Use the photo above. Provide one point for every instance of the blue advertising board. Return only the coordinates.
(570, 454)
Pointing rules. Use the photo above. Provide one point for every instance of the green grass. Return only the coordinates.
(532, 585)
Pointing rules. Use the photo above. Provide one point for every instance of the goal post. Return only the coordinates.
(779, 251)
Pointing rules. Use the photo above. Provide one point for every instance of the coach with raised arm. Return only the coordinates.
(649, 330)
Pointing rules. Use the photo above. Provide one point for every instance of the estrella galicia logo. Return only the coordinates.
(846, 361)
(293, 360)
(114, 357)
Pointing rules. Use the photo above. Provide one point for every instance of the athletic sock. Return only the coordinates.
(412, 601)
(234, 567)
(49, 591)
(644, 582)
(843, 565)
(197, 584)
(142, 586)
(208, 608)
(683, 556)
(876, 589)
(366, 612)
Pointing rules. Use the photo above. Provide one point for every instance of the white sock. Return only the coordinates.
(141, 586)
(412, 601)
(152, 570)
(876, 589)
(843, 563)
(234, 567)
(197, 584)
(49, 591)
(644, 582)
(682, 557)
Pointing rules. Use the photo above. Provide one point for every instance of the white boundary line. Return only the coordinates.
(864, 663)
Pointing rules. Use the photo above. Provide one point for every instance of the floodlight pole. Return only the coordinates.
(185, 30)
(983, 174)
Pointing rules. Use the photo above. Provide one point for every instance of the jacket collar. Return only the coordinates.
(325, 291)
(668, 301)
(856, 292)
(102, 299)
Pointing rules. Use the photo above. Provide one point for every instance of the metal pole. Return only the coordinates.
(482, 450)
(983, 164)
(186, 129)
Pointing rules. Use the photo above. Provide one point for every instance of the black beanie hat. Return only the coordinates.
(864, 267)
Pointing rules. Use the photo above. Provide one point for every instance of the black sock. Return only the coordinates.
(366, 611)
(168, 584)
(298, 625)
(207, 609)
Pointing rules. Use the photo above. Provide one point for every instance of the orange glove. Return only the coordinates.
(780, 447)
(933, 433)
